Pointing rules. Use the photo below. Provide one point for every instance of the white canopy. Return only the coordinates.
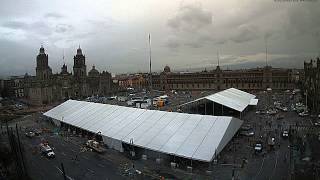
(253, 102)
(232, 98)
(192, 136)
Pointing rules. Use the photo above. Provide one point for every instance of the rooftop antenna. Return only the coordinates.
(63, 57)
(218, 58)
(265, 42)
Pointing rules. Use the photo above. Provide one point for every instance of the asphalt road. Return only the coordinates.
(272, 165)
(78, 165)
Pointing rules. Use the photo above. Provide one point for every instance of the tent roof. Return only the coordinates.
(253, 102)
(232, 98)
(192, 136)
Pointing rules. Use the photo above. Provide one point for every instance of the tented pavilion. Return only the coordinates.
(190, 136)
(230, 102)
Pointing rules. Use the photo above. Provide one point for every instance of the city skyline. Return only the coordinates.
(185, 34)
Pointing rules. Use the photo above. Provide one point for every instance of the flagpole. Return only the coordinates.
(150, 72)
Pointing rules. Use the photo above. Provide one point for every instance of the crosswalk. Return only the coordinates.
(309, 129)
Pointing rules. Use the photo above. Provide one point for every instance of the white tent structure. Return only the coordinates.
(192, 136)
(233, 98)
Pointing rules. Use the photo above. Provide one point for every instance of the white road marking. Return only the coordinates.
(85, 157)
(90, 170)
(70, 178)
(101, 165)
(275, 166)
(260, 168)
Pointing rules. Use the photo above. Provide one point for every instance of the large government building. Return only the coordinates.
(218, 79)
(46, 87)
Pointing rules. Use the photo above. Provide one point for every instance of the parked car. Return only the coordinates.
(47, 150)
(247, 133)
(285, 134)
(303, 114)
(245, 127)
(30, 134)
(258, 147)
(317, 123)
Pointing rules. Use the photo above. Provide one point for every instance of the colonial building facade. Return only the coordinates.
(312, 84)
(136, 81)
(46, 87)
(218, 79)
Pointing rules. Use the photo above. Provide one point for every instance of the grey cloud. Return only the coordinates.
(190, 18)
(103, 22)
(15, 25)
(53, 15)
(194, 44)
(38, 27)
(172, 44)
(245, 33)
(190, 27)
(62, 28)
(303, 19)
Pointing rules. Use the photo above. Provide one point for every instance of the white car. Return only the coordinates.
(258, 147)
(317, 123)
(46, 150)
(302, 114)
(285, 134)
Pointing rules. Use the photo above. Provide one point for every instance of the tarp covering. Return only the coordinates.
(232, 98)
(253, 102)
(192, 136)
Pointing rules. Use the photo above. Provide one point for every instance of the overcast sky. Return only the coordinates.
(113, 34)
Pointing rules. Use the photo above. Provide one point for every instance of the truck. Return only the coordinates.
(96, 146)
(47, 150)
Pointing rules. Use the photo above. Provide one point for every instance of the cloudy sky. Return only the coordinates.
(113, 34)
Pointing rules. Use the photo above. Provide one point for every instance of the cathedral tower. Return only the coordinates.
(43, 71)
(79, 64)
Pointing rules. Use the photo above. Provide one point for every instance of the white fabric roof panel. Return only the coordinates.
(232, 98)
(191, 136)
(254, 102)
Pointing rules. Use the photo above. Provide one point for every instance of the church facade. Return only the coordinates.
(47, 87)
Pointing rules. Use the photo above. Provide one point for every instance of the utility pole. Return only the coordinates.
(306, 93)
(265, 42)
(218, 58)
(20, 151)
(150, 72)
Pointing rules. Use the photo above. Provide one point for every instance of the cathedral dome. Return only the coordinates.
(166, 69)
(94, 72)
